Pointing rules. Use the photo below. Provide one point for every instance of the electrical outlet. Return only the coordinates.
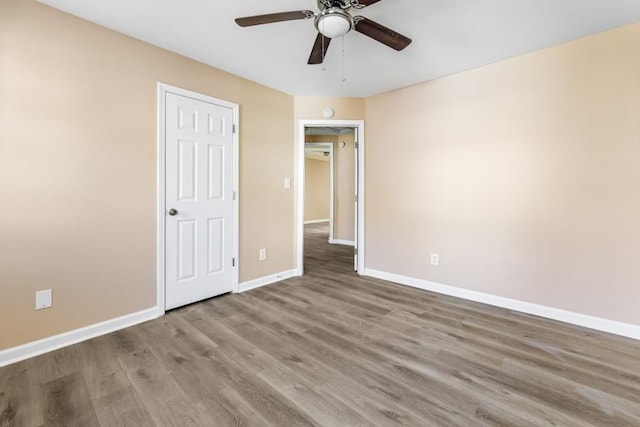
(263, 254)
(43, 299)
(435, 259)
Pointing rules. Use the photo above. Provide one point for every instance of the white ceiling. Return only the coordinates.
(449, 36)
(316, 130)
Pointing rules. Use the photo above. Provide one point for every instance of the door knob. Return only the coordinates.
(173, 212)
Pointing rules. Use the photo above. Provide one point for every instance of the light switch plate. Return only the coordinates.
(287, 183)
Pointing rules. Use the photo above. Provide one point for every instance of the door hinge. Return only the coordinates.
(234, 195)
(233, 262)
(357, 145)
(355, 198)
(234, 128)
(355, 251)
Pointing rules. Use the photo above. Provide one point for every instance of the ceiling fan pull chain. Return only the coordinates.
(344, 77)
(324, 67)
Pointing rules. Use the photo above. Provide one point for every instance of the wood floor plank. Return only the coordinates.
(17, 405)
(268, 401)
(102, 374)
(547, 390)
(342, 359)
(122, 408)
(187, 362)
(298, 376)
(162, 397)
(387, 337)
(359, 396)
(300, 358)
(552, 359)
(279, 365)
(67, 403)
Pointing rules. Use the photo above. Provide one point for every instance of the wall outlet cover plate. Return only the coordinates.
(43, 299)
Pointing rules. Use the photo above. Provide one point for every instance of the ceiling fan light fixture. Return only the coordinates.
(333, 23)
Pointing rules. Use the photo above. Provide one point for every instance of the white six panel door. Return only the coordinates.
(199, 200)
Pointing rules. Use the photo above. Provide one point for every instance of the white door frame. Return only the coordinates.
(328, 146)
(163, 90)
(360, 176)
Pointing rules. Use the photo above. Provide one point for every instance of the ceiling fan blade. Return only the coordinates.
(381, 33)
(319, 51)
(249, 21)
(367, 2)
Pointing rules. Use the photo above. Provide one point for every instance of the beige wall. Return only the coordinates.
(317, 189)
(78, 169)
(523, 175)
(310, 108)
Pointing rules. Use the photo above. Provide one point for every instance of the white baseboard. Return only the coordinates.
(35, 348)
(266, 280)
(342, 242)
(592, 322)
(316, 221)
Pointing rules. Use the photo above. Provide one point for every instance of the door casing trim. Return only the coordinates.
(162, 90)
(358, 124)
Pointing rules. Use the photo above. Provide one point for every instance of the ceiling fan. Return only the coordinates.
(333, 20)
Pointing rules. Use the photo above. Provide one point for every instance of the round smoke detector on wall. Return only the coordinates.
(327, 113)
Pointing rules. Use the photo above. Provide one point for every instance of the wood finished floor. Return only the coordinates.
(332, 349)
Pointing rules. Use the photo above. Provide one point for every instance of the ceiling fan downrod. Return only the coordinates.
(328, 4)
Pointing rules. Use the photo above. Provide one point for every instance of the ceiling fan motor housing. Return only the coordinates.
(342, 4)
(334, 22)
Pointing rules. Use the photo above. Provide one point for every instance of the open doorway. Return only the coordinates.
(329, 215)
(319, 185)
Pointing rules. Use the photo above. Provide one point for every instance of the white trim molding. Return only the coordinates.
(36, 348)
(342, 242)
(316, 221)
(584, 320)
(360, 214)
(266, 280)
